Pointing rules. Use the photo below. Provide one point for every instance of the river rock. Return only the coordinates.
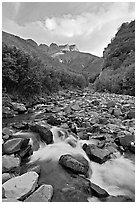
(98, 191)
(7, 131)
(53, 121)
(124, 141)
(117, 112)
(96, 154)
(73, 164)
(45, 133)
(111, 104)
(42, 194)
(24, 151)
(14, 145)
(130, 114)
(10, 163)
(21, 186)
(18, 107)
(75, 107)
(6, 177)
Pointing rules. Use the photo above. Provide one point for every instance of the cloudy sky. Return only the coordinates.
(88, 25)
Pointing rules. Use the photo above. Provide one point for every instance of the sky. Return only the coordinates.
(89, 25)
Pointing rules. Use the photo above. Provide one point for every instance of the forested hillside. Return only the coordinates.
(118, 68)
(27, 75)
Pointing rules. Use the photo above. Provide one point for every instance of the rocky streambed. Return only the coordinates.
(74, 146)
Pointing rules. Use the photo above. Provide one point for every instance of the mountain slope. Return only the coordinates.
(57, 57)
(118, 68)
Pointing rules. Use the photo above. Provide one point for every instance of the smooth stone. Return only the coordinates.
(14, 145)
(42, 194)
(21, 186)
(73, 164)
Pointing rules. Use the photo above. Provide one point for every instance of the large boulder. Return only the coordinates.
(21, 186)
(71, 163)
(96, 154)
(44, 132)
(14, 145)
(42, 194)
(10, 163)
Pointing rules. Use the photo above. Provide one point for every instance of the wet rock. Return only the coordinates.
(21, 186)
(98, 192)
(14, 145)
(19, 107)
(73, 164)
(42, 194)
(45, 133)
(53, 121)
(10, 163)
(24, 151)
(96, 154)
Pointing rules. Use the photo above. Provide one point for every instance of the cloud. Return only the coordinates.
(91, 31)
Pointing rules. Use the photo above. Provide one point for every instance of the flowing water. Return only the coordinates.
(116, 176)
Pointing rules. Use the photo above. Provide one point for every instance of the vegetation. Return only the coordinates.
(118, 69)
(27, 75)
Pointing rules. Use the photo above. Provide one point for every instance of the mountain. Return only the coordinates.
(58, 57)
(118, 67)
